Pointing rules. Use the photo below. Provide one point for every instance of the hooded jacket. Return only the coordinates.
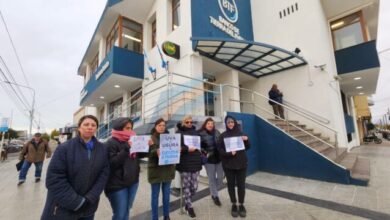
(230, 161)
(189, 161)
(124, 171)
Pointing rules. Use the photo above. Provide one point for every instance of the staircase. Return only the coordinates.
(358, 167)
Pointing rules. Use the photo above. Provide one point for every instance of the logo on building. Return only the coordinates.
(229, 10)
(171, 49)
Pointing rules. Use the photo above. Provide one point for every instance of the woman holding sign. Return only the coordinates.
(209, 138)
(190, 161)
(159, 176)
(232, 145)
(122, 185)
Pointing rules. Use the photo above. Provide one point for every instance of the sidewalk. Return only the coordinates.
(268, 196)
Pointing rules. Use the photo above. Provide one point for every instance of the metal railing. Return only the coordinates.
(179, 95)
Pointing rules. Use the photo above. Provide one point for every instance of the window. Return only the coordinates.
(348, 31)
(154, 30)
(126, 34)
(175, 14)
(95, 64)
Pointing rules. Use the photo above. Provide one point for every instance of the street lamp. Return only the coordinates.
(32, 106)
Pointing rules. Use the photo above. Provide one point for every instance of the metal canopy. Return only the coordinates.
(253, 58)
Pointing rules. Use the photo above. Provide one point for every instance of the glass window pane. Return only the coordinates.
(132, 40)
(348, 36)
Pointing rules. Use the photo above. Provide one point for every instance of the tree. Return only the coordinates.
(54, 133)
(45, 136)
(10, 134)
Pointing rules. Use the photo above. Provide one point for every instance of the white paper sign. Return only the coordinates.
(169, 149)
(139, 143)
(234, 144)
(193, 141)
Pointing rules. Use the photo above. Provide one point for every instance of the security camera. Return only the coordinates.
(322, 66)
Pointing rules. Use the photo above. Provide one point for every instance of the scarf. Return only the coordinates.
(122, 135)
(125, 137)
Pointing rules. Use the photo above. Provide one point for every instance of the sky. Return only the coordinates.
(51, 38)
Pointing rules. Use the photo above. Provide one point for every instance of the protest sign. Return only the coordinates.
(169, 149)
(192, 141)
(234, 144)
(139, 144)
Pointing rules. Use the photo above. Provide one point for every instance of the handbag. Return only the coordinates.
(19, 165)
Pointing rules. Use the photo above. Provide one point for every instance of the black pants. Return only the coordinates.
(236, 178)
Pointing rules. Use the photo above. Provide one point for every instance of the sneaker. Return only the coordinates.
(20, 182)
(242, 211)
(37, 179)
(216, 201)
(167, 218)
(191, 213)
(234, 211)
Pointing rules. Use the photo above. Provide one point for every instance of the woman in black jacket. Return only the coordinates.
(124, 177)
(190, 164)
(209, 138)
(77, 175)
(234, 164)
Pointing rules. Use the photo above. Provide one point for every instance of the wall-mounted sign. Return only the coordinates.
(222, 19)
(171, 49)
(4, 123)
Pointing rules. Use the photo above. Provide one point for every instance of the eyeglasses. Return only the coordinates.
(188, 122)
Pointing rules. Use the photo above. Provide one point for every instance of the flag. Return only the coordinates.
(151, 69)
(164, 64)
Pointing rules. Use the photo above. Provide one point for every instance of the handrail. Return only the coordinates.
(284, 106)
(289, 122)
(307, 112)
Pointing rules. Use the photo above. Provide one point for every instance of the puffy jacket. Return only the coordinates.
(35, 152)
(230, 161)
(75, 174)
(276, 96)
(157, 173)
(209, 140)
(189, 161)
(124, 171)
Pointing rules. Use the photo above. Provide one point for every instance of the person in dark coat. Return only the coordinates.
(123, 182)
(235, 164)
(159, 177)
(190, 164)
(209, 139)
(77, 175)
(276, 98)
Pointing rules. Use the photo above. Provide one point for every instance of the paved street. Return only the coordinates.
(268, 196)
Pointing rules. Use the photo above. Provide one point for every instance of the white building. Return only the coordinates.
(320, 53)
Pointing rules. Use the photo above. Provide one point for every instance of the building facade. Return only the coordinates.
(224, 56)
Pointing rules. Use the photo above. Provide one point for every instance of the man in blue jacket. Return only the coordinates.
(276, 97)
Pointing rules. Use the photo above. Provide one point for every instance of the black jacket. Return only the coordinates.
(238, 161)
(124, 170)
(189, 162)
(74, 174)
(209, 142)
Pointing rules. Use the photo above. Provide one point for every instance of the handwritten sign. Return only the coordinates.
(169, 149)
(234, 144)
(139, 143)
(192, 141)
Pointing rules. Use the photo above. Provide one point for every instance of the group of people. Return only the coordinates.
(82, 168)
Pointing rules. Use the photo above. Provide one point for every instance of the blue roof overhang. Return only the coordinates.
(253, 58)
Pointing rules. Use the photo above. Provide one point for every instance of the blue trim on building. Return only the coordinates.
(349, 124)
(275, 152)
(359, 57)
(121, 61)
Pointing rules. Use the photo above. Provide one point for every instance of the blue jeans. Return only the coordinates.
(166, 189)
(121, 202)
(26, 165)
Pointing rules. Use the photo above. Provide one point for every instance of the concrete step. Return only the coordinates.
(290, 127)
(303, 136)
(331, 154)
(361, 170)
(279, 121)
(349, 161)
(321, 147)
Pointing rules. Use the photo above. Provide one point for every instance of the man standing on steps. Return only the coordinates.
(33, 152)
(276, 96)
